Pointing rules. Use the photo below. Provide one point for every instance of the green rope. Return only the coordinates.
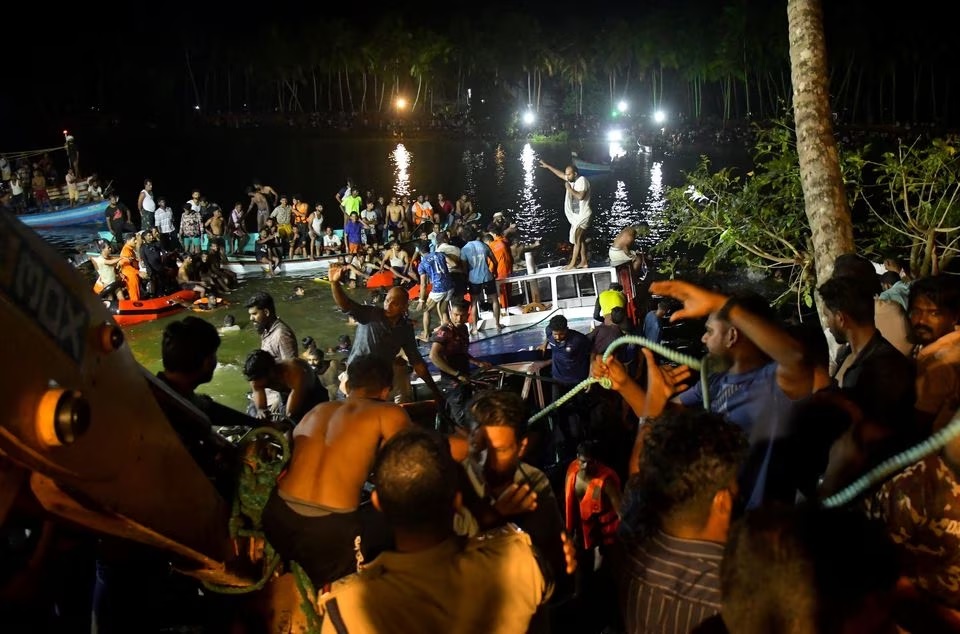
(255, 482)
(678, 357)
(902, 460)
(307, 597)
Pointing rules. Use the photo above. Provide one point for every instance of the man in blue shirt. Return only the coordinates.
(652, 329)
(353, 232)
(767, 371)
(481, 276)
(570, 351)
(434, 267)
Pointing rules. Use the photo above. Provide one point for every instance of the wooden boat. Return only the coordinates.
(88, 214)
(127, 313)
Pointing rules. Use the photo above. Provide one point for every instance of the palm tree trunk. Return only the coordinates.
(313, 77)
(340, 86)
(419, 86)
(346, 72)
(824, 195)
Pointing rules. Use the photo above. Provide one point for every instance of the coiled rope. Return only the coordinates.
(678, 357)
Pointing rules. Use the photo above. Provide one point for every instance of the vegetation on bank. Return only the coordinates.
(905, 202)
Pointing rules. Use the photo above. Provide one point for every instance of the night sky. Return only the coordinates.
(66, 66)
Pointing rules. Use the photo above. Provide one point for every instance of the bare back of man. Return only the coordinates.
(334, 449)
(314, 515)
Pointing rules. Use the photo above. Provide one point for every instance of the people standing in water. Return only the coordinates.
(576, 207)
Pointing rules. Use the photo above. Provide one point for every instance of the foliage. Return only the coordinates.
(756, 220)
(560, 138)
(914, 203)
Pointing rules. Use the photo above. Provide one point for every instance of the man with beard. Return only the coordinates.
(874, 376)
(276, 337)
(934, 309)
(576, 207)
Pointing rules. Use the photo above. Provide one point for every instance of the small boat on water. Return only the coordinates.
(88, 214)
(127, 313)
(586, 168)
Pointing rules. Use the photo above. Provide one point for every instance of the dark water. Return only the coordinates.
(497, 177)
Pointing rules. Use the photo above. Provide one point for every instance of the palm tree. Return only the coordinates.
(823, 189)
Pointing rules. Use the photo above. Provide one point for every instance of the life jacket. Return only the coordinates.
(590, 515)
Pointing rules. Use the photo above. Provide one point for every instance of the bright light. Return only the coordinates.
(622, 106)
(64, 133)
(615, 135)
(529, 118)
(615, 150)
(659, 116)
(197, 107)
(401, 103)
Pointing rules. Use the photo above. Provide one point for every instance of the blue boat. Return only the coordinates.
(586, 168)
(88, 214)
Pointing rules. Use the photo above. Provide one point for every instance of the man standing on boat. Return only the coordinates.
(576, 206)
(147, 206)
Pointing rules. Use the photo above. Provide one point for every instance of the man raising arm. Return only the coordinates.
(383, 332)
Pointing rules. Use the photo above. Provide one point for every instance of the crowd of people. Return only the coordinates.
(676, 506)
(668, 503)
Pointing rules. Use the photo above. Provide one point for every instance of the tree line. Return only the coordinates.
(723, 60)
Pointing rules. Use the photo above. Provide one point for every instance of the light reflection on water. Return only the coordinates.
(529, 214)
(401, 159)
(656, 204)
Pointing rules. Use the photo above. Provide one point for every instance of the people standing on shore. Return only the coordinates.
(576, 207)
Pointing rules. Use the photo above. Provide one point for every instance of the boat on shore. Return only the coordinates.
(87, 214)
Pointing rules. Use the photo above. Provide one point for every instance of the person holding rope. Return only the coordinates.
(449, 351)
(768, 371)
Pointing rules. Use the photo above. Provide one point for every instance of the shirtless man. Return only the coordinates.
(394, 218)
(266, 190)
(216, 226)
(313, 516)
(293, 377)
(464, 208)
(185, 274)
(258, 200)
(621, 253)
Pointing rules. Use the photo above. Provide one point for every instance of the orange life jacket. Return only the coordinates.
(590, 515)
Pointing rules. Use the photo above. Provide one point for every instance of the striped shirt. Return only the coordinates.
(670, 585)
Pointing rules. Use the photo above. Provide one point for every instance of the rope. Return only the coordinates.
(902, 460)
(257, 478)
(307, 596)
(678, 357)
(26, 153)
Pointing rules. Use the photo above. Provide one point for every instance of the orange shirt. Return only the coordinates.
(501, 253)
(130, 257)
